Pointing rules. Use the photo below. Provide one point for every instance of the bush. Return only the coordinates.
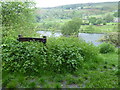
(106, 48)
(112, 38)
(69, 54)
(71, 27)
(23, 57)
(59, 55)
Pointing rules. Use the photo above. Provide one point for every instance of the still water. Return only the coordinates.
(92, 38)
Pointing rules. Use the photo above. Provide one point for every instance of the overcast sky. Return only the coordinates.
(52, 3)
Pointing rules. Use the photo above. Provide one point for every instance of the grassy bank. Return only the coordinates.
(56, 26)
(99, 28)
(68, 63)
(104, 76)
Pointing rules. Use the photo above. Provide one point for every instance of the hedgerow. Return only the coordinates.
(59, 55)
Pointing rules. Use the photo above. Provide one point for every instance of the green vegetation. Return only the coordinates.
(108, 18)
(106, 48)
(92, 20)
(66, 54)
(100, 6)
(17, 18)
(64, 62)
(109, 28)
(117, 14)
(88, 29)
(112, 38)
(72, 27)
(104, 76)
(100, 15)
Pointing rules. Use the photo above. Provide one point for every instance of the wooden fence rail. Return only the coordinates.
(22, 39)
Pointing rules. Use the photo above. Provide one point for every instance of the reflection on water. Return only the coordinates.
(85, 36)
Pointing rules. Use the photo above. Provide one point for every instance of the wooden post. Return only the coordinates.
(20, 36)
(45, 39)
(44, 36)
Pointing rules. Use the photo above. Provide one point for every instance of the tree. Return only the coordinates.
(104, 22)
(71, 27)
(38, 18)
(99, 21)
(92, 20)
(16, 15)
(108, 18)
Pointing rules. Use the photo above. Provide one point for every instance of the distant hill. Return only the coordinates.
(84, 11)
(102, 5)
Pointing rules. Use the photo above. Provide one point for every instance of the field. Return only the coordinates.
(101, 28)
(110, 27)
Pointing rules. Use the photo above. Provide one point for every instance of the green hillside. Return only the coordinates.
(107, 5)
(77, 10)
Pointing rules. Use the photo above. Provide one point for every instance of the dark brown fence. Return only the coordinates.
(22, 39)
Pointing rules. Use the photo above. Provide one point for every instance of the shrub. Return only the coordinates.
(70, 53)
(106, 48)
(23, 57)
(112, 38)
(59, 55)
